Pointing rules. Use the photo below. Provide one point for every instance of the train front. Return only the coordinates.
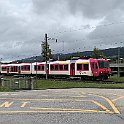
(104, 68)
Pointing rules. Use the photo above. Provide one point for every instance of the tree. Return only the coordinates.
(78, 54)
(97, 53)
(46, 54)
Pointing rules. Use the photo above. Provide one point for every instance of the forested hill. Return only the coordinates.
(109, 53)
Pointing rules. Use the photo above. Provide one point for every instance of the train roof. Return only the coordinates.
(82, 61)
(60, 62)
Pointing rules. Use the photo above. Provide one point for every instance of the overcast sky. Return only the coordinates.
(79, 25)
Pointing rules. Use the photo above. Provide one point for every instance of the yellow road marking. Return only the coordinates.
(75, 100)
(110, 103)
(77, 96)
(64, 110)
(95, 102)
(121, 97)
(36, 99)
(58, 109)
(37, 111)
(100, 105)
(6, 104)
(23, 104)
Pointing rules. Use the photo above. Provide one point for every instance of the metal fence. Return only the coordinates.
(19, 83)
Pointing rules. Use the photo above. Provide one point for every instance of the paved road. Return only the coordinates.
(61, 106)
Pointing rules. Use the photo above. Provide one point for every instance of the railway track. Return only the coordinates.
(85, 81)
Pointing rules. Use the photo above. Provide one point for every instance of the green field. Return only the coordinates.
(5, 89)
(50, 84)
(116, 79)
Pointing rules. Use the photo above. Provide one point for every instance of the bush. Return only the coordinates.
(5, 89)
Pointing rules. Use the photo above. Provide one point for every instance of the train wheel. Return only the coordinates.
(82, 78)
(106, 77)
(93, 78)
(102, 78)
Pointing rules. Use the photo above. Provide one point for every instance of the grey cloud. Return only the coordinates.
(95, 8)
(110, 31)
(43, 6)
(89, 8)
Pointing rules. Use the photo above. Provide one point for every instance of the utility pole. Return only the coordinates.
(46, 52)
(36, 70)
(46, 56)
(118, 61)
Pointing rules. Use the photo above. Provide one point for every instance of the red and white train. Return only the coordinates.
(83, 68)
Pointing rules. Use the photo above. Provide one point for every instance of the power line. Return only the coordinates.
(88, 27)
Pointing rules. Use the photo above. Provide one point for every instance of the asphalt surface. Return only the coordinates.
(63, 106)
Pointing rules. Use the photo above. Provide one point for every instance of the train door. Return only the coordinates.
(72, 69)
(95, 70)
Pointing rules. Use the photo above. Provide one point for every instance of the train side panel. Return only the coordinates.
(25, 68)
(38, 68)
(59, 68)
(4, 68)
(83, 68)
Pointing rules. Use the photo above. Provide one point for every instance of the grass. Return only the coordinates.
(5, 89)
(116, 79)
(48, 84)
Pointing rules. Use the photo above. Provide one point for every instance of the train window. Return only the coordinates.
(28, 67)
(79, 66)
(42, 67)
(25, 68)
(66, 67)
(35, 67)
(12, 69)
(4, 69)
(96, 66)
(56, 67)
(61, 67)
(39, 67)
(21, 67)
(51, 67)
(18, 68)
(106, 64)
(86, 66)
(101, 64)
(15, 68)
(93, 66)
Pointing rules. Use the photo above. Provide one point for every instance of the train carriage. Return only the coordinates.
(14, 68)
(25, 68)
(38, 68)
(4, 68)
(83, 68)
(10, 68)
(92, 68)
(59, 68)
